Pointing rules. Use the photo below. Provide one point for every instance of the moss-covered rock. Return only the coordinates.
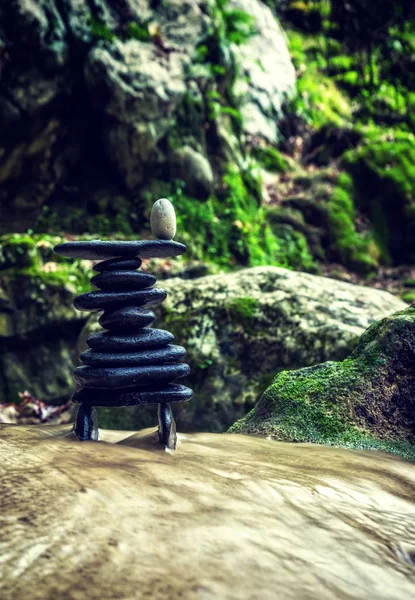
(241, 328)
(365, 401)
(383, 171)
(39, 326)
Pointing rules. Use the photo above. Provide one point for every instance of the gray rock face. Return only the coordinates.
(85, 102)
(240, 329)
(267, 74)
(194, 169)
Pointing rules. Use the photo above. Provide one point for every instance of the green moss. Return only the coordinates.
(32, 257)
(322, 404)
(383, 171)
(308, 406)
(100, 30)
(409, 297)
(138, 31)
(354, 250)
(113, 217)
(270, 159)
(319, 101)
(18, 250)
(229, 228)
(242, 310)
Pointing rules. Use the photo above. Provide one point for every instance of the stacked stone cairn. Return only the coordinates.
(130, 363)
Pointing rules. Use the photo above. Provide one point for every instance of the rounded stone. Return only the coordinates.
(109, 300)
(163, 220)
(145, 338)
(156, 356)
(151, 394)
(126, 319)
(99, 250)
(118, 264)
(123, 280)
(119, 377)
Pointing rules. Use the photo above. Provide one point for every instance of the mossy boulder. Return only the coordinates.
(365, 401)
(39, 326)
(240, 328)
(383, 171)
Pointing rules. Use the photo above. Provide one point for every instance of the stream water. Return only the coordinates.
(223, 517)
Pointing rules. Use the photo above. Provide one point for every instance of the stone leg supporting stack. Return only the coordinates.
(130, 363)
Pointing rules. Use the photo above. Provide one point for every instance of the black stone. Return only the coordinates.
(157, 356)
(108, 300)
(86, 425)
(167, 426)
(97, 249)
(126, 319)
(118, 264)
(170, 393)
(145, 338)
(123, 280)
(120, 377)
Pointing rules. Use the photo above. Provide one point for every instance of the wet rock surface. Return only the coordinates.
(248, 518)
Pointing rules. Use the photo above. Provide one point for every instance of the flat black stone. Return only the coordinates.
(145, 338)
(126, 319)
(123, 280)
(108, 300)
(170, 393)
(120, 377)
(156, 356)
(98, 249)
(118, 264)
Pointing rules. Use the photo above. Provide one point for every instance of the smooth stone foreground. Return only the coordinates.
(98, 249)
(224, 517)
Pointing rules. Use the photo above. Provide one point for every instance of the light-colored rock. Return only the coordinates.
(163, 219)
(194, 169)
(225, 517)
(267, 75)
(241, 328)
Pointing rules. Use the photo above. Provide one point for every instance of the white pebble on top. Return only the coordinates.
(163, 220)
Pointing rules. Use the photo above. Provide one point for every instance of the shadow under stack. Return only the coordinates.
(130, 363)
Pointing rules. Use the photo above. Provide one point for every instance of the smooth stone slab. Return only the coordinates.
(169, 353)
(98, 249)
(170, 393)
(126, 319)
(108, 300)
(118, 264)
(119, 377)
(123, 280)
(146, 338)
(163, 220)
